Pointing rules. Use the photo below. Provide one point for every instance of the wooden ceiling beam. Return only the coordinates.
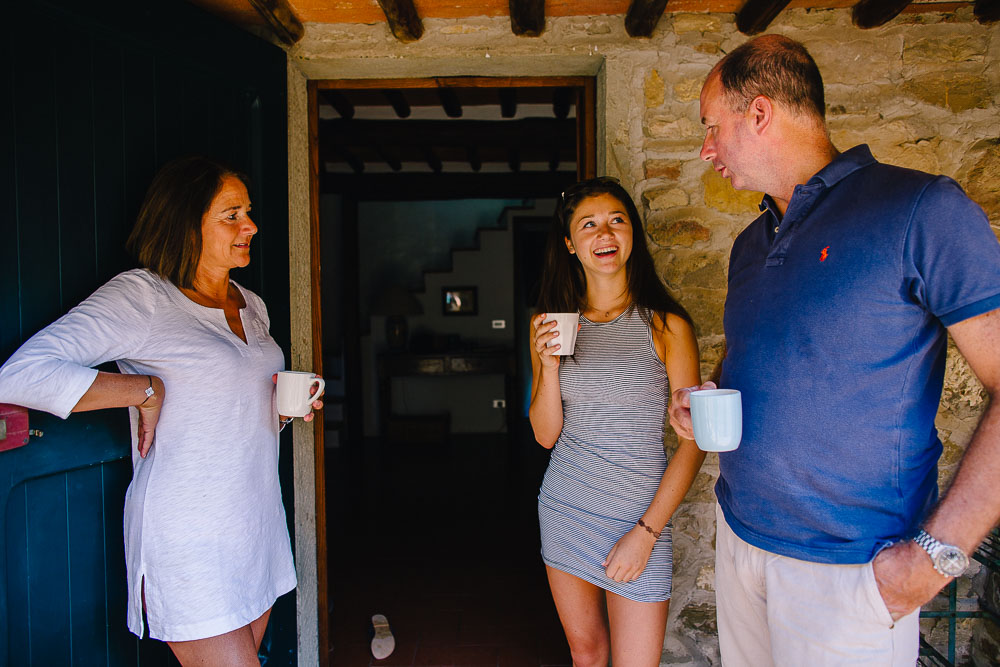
(514, 159)
(356, 164)
(431, 158)
(475, 161)
(449, 102)
(339, 102)
(404, 22)
(642, 17)
(389, 157)
(398, 102)
(561, 100)
(987, 11)
(281, 19)
(527, 17)
(873, 13)
(508, 102)
(756, 15)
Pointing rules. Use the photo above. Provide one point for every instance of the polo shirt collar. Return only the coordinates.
(842, 166)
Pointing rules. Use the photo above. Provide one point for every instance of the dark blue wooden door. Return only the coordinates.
(95, 96)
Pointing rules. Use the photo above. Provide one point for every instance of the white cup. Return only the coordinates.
(567, 324)
(717, 417)
(294, 399)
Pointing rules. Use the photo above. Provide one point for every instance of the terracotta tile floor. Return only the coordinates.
(443, 540)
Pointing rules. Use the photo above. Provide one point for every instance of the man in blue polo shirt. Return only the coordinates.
(841, 296)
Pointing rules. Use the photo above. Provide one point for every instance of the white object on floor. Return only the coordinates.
(383, 643)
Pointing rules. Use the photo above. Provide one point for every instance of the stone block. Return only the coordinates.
(720, 195)
(688, 90)
(696, 23)
(668, 169)
(983, 181)
(675, 129)
(663, 198)
(654, 89)
(946, 48)
(955, 90)
(706, 578)
(683, 232)
(700, 618)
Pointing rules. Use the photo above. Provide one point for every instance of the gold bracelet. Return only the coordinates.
(642, 524)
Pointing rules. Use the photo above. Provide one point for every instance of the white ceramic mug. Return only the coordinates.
(567, 324)
(294, 399)
(717, 417)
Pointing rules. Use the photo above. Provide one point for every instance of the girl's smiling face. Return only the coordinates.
(600, 234)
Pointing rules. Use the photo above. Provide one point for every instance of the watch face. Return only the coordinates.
(952, 562)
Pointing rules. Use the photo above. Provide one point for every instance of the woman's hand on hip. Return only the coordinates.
(543, 335)
(628, 558)
(149, 414)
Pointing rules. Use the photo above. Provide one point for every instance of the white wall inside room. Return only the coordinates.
(412, 244)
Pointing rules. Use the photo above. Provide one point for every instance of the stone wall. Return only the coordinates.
(923, 92)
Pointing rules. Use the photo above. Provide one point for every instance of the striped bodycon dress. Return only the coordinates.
(609, 458)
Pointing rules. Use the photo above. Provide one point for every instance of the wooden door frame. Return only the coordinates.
(587, 156)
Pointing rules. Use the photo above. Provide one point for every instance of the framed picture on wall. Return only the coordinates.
(459, 301)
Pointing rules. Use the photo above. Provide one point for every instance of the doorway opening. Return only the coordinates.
(431, 201)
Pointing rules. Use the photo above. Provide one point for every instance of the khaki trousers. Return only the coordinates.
(775, 610)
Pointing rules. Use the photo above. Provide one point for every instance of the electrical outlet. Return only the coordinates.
(499, 324)
(499, 403)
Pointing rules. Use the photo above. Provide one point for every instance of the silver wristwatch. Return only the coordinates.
(948, 559)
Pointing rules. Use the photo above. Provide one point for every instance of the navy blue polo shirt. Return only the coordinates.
(835, 326)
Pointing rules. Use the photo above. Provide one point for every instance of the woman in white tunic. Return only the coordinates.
(206, 544)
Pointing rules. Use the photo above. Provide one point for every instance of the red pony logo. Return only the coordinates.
(823, 255)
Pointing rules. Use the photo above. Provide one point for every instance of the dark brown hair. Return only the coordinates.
(564, 284)
(776, 67)
(166, 238)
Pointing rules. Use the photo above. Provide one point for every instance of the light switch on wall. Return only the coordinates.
(499, 324)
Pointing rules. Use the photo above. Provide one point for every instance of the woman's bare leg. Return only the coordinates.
(581, 610)
(637, 630)
(237, 648)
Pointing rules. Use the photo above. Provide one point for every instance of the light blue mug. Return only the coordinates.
(717, 417)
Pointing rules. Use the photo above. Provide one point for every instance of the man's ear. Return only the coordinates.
(760, 113)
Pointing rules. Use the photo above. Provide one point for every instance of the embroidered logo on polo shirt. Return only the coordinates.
(824, 254)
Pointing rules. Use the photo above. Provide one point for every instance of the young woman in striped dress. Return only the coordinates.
(609, 492)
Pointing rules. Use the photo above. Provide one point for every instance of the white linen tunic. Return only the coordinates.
(204, 523)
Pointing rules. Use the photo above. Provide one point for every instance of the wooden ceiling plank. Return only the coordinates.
(527, 17)
(404, 22)
(642, 17)
(281, 19)
(398, 102)
(339, 102)
(453, 82)
(423, 186)
(756, 15)
(508, 102)
(358, 134)
(987, 11)
(449, 102)
(873, 13)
